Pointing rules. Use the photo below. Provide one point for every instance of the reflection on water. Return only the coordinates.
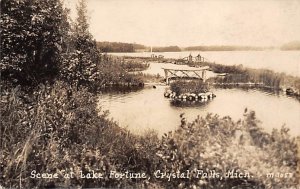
(148, 109)
(187, 103)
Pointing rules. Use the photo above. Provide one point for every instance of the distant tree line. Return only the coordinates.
(294, 45)
(225, 48)
(118, 47)
(132, 47)
(166, 49)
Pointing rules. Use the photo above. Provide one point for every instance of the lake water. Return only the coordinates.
(147, 109)
(278, 61)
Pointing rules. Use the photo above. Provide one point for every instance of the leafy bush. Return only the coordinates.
(79, 70)
(57, 129)
(134, 65)
(31, 33)
(214, 143)
(149, 78)
(181, 87)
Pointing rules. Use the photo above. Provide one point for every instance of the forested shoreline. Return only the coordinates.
(51, 74)
(133, 47)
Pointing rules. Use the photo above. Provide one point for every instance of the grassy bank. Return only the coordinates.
(133, 66)
(263, 77)
(266, 77)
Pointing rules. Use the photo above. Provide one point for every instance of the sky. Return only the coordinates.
(194, 22)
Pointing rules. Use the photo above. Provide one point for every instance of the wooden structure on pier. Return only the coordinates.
(190, 72)
(157, 56)
(190, 59)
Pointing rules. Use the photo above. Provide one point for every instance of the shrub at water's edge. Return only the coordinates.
(218, 144)
(240, 74)
(181, 87)
(134, 65)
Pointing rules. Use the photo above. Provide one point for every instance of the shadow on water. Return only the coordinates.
(265, 90)
(121, 89)
(188, 104)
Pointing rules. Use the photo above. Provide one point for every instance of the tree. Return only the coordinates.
(80, 65)
(31, 32)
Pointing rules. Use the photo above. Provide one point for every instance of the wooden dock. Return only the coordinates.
(191, 72)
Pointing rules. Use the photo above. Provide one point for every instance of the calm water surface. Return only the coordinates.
(148, 109)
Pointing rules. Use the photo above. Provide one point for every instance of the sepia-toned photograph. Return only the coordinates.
(196, 94)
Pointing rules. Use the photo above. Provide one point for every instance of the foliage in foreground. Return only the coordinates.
(57, 129)
(213, 143)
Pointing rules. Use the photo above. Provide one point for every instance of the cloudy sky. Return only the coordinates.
(194, 22)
